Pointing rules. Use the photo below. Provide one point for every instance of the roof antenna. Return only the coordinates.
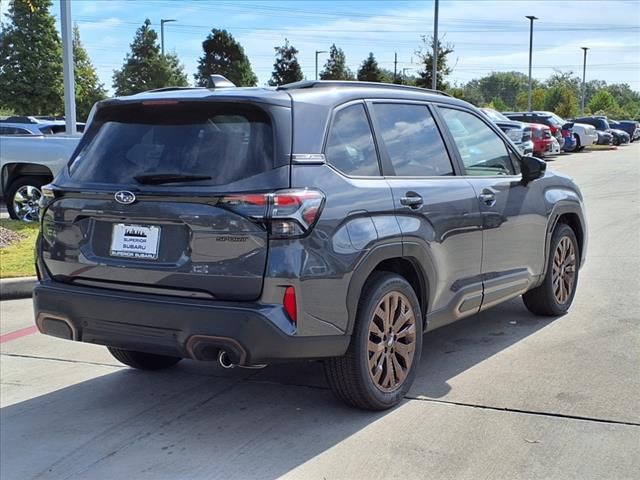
(219, 81)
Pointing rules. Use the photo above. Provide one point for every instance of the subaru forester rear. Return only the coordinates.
(319, 220)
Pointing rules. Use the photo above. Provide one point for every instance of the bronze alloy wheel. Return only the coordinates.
(564, 270)
(392, 342)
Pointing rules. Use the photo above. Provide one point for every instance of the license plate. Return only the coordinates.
(135, 241)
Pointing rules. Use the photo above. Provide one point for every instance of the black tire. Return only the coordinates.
(543, 299)
(578, 146)
(142, 360)
(349, 376)
(17, 184)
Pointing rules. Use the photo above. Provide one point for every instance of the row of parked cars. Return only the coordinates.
(544, 133)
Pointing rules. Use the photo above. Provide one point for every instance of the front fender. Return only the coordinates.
(573, 206)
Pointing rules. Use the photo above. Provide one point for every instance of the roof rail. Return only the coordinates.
(169, 89)
(350, 83)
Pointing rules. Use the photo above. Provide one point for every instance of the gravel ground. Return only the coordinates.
(7, 237)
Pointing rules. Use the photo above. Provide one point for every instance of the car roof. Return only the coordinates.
(32, 127)
(529, 114)
(322, 92)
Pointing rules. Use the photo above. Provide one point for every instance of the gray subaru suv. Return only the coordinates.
(330, 220)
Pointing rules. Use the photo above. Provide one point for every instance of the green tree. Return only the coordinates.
(623, 94)
(631, 111)
(369, 71)
(565, 79)
(603, 102)
(286, 69)
(336, 66)
(538, 96)
(223, 55)
(504, 86)
(89, 90)
(426, 59)
(31, 60)
(145, 68)
(591, 88)
(562, 100)
(498, 104)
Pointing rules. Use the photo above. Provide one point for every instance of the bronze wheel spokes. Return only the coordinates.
(392, 341)
(564, 270)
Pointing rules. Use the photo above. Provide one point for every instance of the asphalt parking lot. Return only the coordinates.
(500, 395)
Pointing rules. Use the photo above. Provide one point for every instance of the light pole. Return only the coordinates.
(67, 67)
(162, 22)
(584, 74)
(318, 52)
(531, 18)
(434, 67)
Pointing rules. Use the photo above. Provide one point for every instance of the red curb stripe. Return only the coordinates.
(23, 332)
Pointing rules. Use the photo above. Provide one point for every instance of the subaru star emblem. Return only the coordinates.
(124, 197)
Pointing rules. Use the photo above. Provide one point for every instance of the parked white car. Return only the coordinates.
(584, 134)
(28, 162)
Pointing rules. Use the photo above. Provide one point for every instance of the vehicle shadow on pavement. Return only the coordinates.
(199, 421)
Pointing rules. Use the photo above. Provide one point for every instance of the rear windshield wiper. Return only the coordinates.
(160, 178)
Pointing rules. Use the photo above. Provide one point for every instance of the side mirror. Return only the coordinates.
(532, 168)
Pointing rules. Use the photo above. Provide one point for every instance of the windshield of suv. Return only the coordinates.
(495, 115)
(558, 121)
(555, 121)
(212, 143)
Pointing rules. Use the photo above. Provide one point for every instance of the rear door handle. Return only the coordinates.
(412, 200)
(488, 199)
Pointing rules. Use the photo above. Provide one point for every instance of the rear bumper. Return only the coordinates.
(251, 333)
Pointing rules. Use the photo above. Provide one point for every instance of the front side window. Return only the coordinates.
(412, 140)
(350, 146)
(483, 152)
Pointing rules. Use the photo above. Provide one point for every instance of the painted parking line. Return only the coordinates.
(23, 332)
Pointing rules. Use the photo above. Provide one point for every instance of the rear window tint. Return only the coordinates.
(350, 146)
(412, 140)
(225, 142)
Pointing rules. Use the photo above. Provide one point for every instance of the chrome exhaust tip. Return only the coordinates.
(224, 360)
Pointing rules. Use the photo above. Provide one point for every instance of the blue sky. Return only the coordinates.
(487, 35)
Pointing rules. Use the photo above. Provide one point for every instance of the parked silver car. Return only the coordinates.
(28, 161)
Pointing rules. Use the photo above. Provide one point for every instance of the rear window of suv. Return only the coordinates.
(224, 142)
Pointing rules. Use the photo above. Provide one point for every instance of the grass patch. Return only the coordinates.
(17, 260)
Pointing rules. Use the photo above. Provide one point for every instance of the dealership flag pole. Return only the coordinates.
(67, 67)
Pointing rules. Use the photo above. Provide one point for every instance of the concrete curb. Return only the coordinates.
(12, 288)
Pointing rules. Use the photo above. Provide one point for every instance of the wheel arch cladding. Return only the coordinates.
(573, 221)
(387, 259)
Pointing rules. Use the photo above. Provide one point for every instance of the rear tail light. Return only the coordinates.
(566, 133)
(287, 213)
(289, 304)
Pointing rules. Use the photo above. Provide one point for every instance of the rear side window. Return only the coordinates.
(350, 146)
(412, 140)
(224, 142)
(483, 152)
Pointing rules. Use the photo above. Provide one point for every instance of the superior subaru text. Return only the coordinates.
(318, 220)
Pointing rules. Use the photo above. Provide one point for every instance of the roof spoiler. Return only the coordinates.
(219, 81)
